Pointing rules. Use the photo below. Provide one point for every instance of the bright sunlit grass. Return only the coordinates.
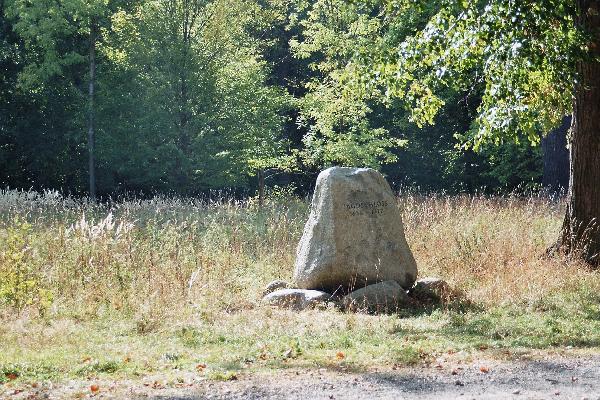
(169, 285)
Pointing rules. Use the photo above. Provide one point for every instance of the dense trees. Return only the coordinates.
(173, 93)
(187, 95)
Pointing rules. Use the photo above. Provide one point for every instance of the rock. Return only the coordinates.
(354, 234)
(275, 285)
(380, 297)
(431, 288)
(297, 299)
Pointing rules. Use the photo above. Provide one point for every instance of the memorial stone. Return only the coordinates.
(354, 235)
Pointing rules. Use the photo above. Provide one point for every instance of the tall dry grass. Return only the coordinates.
(154, 258)
(493, 248)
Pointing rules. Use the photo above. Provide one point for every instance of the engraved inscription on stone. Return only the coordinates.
(366, 207)
(354, 234)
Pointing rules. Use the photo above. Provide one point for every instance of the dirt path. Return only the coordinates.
(565, 378)
(551, 378)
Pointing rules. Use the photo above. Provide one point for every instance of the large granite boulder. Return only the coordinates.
(354, 235)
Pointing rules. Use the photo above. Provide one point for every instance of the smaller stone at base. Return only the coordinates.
(385, 296)
(275, 285)
(297, 299)
(432, 288)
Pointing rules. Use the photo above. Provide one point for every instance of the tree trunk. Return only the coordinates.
(556, 158)
(91, 128)
(581, 229)
(261, 188)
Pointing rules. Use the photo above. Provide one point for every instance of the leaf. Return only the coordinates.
(200, 367)
(11, 376)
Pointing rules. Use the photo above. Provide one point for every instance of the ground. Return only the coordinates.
(542, 375)
(162, 298)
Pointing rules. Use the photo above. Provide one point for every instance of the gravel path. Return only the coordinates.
(551, 377)
(556, 378)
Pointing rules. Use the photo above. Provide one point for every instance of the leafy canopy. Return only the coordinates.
(520, 54)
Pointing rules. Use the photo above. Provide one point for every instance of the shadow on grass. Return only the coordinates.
(426, 330)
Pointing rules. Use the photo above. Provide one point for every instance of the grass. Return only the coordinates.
(167, 286)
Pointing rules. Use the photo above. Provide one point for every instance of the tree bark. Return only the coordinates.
(91, 111)
(261, 188)
(581, 229)
(556, 158)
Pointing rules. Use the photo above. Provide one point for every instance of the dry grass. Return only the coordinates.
(169, 283)
(492, 248)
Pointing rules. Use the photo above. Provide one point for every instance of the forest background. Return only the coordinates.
(187, 96)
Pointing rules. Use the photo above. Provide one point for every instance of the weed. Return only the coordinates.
(20, 283)
(140, 279)
(224, 376)
(95, 367)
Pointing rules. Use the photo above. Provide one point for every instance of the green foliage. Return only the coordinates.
(357, 114)
(520, 55)
(96, 367)
(182, 99)
(335, 111)
(197, 95)
(214, 120)
(21, 285)
(514, 165)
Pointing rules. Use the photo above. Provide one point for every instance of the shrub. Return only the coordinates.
(20, 283)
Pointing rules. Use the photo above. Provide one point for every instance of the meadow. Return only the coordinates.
(172, 286)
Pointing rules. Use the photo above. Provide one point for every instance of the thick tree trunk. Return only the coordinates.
(556, 158)
(581, 228)
(91, 119)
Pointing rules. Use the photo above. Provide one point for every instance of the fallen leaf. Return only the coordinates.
(340, 355)
(157, 385)
(483, 369)
(94, 388)
(11, 376)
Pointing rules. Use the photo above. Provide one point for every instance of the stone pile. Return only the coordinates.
(353, 253)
